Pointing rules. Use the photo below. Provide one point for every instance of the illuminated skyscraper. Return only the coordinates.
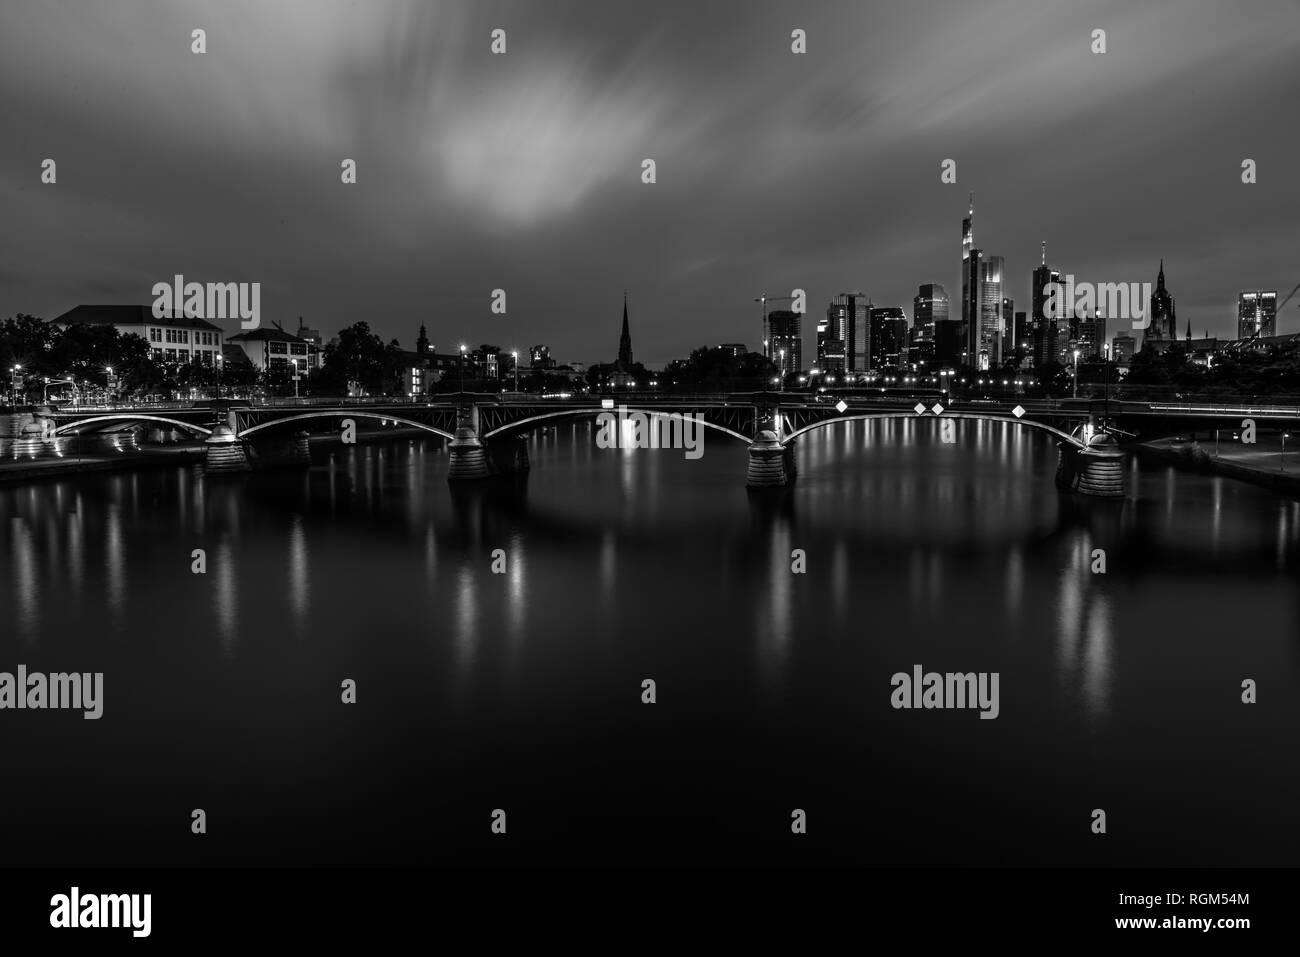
(1044, 329)
(1257, 314)
(785, 334)
(888, 337)
(989, 350)
(970, 287)
(929, 306)
(848, 319)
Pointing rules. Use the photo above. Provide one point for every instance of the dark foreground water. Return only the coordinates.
(522, 691)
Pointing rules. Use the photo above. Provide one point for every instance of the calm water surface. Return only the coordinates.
(522, 690)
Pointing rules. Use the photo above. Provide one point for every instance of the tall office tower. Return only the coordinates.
(970, 287)
(990, 333)
(831, 332)
(849, 320)
(888, 337)
(1162, 328)
(1043, 328)
(824, 335)
(785, 335)
(1257, 314)
(1023, 341)
(929, 306)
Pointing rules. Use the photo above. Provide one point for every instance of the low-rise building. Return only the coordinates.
(171, 339)
(268, 348)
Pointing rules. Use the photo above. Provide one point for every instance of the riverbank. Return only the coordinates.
(19, 471)
(1260, 464)
(32, 470)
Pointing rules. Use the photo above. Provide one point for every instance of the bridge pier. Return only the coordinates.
(1097, 470)
(771, 464)
(224, 452)
(469, 458)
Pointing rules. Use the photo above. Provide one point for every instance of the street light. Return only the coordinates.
(515, 356)
(462, 367)
(1076, 373)
(295, 377)
(1285, 436)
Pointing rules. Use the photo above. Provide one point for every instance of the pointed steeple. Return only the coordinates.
(625, 340)
(1189, 330)
(422, 342)
(1160, 279)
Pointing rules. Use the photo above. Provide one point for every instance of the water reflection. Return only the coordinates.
(622, 563)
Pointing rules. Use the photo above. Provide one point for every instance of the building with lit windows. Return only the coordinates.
(268, 348)
(178, 339)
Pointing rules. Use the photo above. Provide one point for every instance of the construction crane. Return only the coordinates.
(765, 299)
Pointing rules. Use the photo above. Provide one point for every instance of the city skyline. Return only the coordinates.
(470, 161)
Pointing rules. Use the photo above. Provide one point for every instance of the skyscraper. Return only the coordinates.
(785, 334)
(1257, 314)
(1007, 340)
(888, 337)
(848, 319)
(1044, 329)
(990, 330)
(970, 287)
(929, 306)
(1022, 341)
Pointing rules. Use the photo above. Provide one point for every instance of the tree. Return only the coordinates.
(357, 355)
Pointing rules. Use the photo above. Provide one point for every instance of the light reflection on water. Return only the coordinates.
(624, 564)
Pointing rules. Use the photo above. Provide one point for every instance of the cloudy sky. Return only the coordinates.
(523, 171)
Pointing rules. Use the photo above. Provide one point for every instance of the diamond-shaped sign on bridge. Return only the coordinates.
(937, 409)
(1018, 411)
(919, 409)
(840, 406)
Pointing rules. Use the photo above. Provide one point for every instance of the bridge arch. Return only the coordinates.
(518, 426)
(345, 414)
(130, 417)
(978, 416)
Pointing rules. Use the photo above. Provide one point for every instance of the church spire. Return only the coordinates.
(625, 340)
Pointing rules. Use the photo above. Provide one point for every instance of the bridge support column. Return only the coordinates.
(224, 452)
(301, 448)
(1097, 470)
(771, 464)
(469, 459)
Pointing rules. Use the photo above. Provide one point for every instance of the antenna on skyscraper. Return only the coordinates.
(1044, 252)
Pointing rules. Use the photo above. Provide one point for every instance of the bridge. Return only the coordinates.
(486, 431)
